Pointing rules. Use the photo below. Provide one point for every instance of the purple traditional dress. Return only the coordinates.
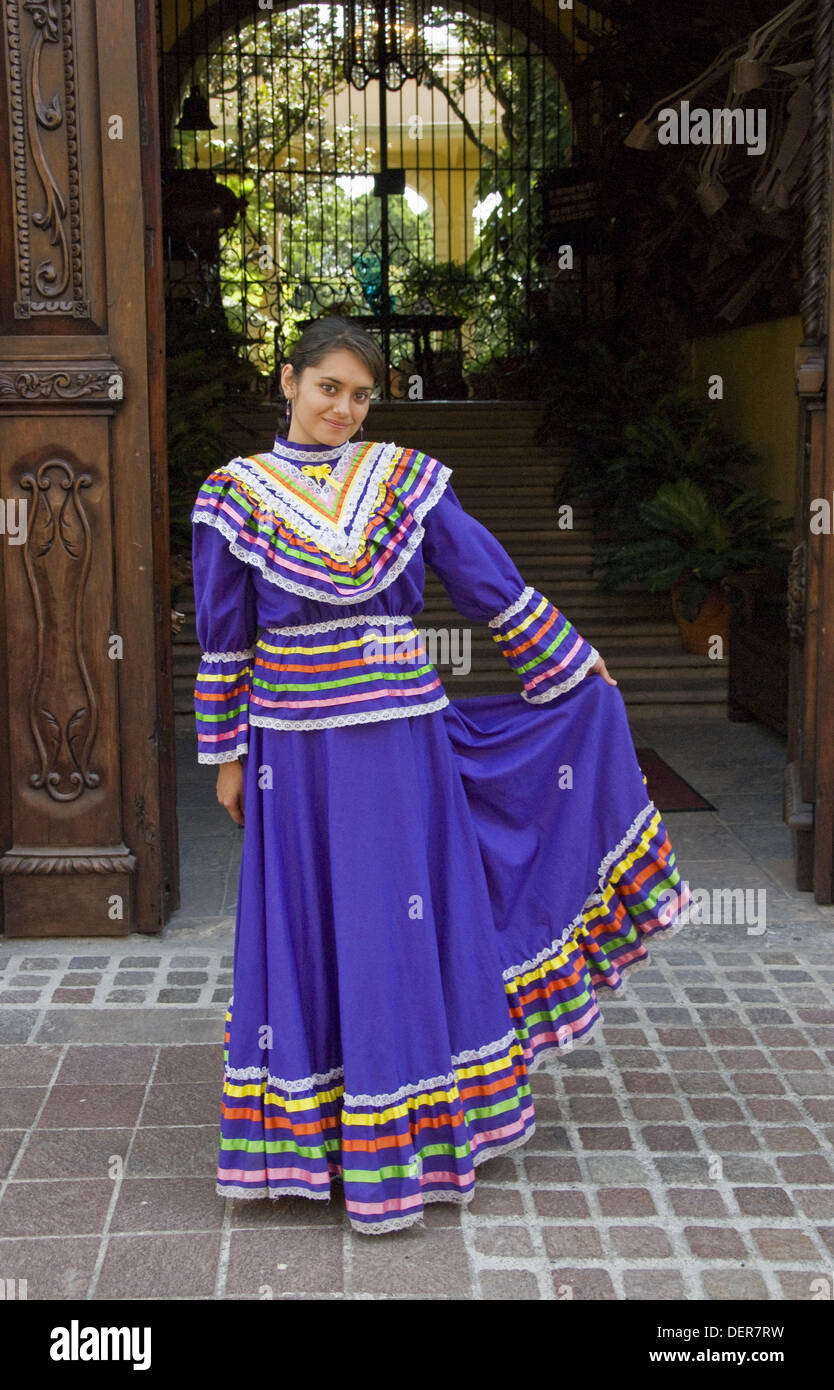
(431, 890)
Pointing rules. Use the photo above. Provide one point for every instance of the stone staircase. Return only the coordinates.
(506, 480)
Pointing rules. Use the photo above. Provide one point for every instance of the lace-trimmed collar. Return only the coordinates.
(290, 451)
(332, 509)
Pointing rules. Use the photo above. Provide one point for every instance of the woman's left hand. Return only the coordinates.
(602, 670)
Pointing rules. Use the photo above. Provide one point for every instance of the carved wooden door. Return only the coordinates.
(88, 842)
(809, 773)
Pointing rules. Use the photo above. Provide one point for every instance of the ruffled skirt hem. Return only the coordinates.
(487, 1110)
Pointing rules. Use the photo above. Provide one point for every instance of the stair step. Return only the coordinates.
(680, 697)
(645, 710)
(604, 626)
(538, 491)
(615, 646)
(539, 459)
(666, 680)
(504, 514)
(652, 702)
(667, 641)
(580, 610)
(539, 540)
(452, 416)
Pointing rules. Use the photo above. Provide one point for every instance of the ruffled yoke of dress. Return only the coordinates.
(330, 522)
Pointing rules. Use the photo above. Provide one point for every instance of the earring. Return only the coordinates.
(362, 430)
(287, 412)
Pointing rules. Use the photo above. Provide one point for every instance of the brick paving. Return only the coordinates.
(686, 1153)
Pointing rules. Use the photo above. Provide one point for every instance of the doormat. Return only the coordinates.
(668, 791)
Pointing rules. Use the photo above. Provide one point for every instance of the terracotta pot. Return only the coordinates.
(712, 620)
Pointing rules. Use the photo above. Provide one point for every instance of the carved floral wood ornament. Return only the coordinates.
(62, 704)
(45, 149)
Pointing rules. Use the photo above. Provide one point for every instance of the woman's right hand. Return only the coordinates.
(230, 789)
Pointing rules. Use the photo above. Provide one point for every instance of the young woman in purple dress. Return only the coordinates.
(432, 890)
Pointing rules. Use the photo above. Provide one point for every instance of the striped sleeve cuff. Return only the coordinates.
(221, 705)
(541, 644)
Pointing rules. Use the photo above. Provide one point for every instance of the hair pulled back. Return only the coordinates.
(332, 334)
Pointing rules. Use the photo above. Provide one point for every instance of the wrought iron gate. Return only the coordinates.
(279, 208)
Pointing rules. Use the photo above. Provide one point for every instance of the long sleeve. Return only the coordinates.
(484, 584)
(225, 601)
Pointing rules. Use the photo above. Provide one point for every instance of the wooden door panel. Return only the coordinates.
(85, 600)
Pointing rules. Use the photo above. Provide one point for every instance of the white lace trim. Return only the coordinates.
(259, 561)
(592, 901)
(412, 1088)
(227, 757)
(476, 1054)
(303, 628)
(578, 675)
(619, 849)
(523, 598)
(228, 656)
(304, 517)
(284, 450)
(321, 1079)
(547, 951)
(434, 1083)
(337, 721)
(307, 1083)
(236, 1191)
(391, 1223)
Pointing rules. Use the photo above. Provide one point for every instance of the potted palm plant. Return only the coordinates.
(693, 544)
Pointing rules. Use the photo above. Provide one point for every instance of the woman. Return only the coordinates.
(430, 889)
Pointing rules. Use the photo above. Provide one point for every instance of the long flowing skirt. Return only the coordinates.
(428, 908)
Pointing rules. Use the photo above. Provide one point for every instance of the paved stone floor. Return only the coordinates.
(686, 1153)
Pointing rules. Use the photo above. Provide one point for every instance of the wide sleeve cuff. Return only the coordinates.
(541, 644)
(221, 705)
(227, 628)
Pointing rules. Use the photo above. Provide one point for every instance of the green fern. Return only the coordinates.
(696, 543)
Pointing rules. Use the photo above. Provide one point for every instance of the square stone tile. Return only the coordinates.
(160, 1266)
(100, 1066)
(19, 1105)
(74, 1153)
(91, 1106)
(413, 1264)
(511, 1241)
(592, 1284)
(572, 1242)
(173, 1150)
(781, 1243)
(652, 1285)
(53, 1269)
(508, 1284)
(167, 1204)
(561, 1204)
(640, 1242)
(54, 1208)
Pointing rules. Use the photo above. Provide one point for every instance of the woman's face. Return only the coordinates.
(330, 400)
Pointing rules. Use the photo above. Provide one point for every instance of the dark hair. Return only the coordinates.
(330, 334)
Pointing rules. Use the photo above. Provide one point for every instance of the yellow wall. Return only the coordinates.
(760, 404)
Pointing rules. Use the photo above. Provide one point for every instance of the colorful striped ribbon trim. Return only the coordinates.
(542, 646)
(250, 516)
